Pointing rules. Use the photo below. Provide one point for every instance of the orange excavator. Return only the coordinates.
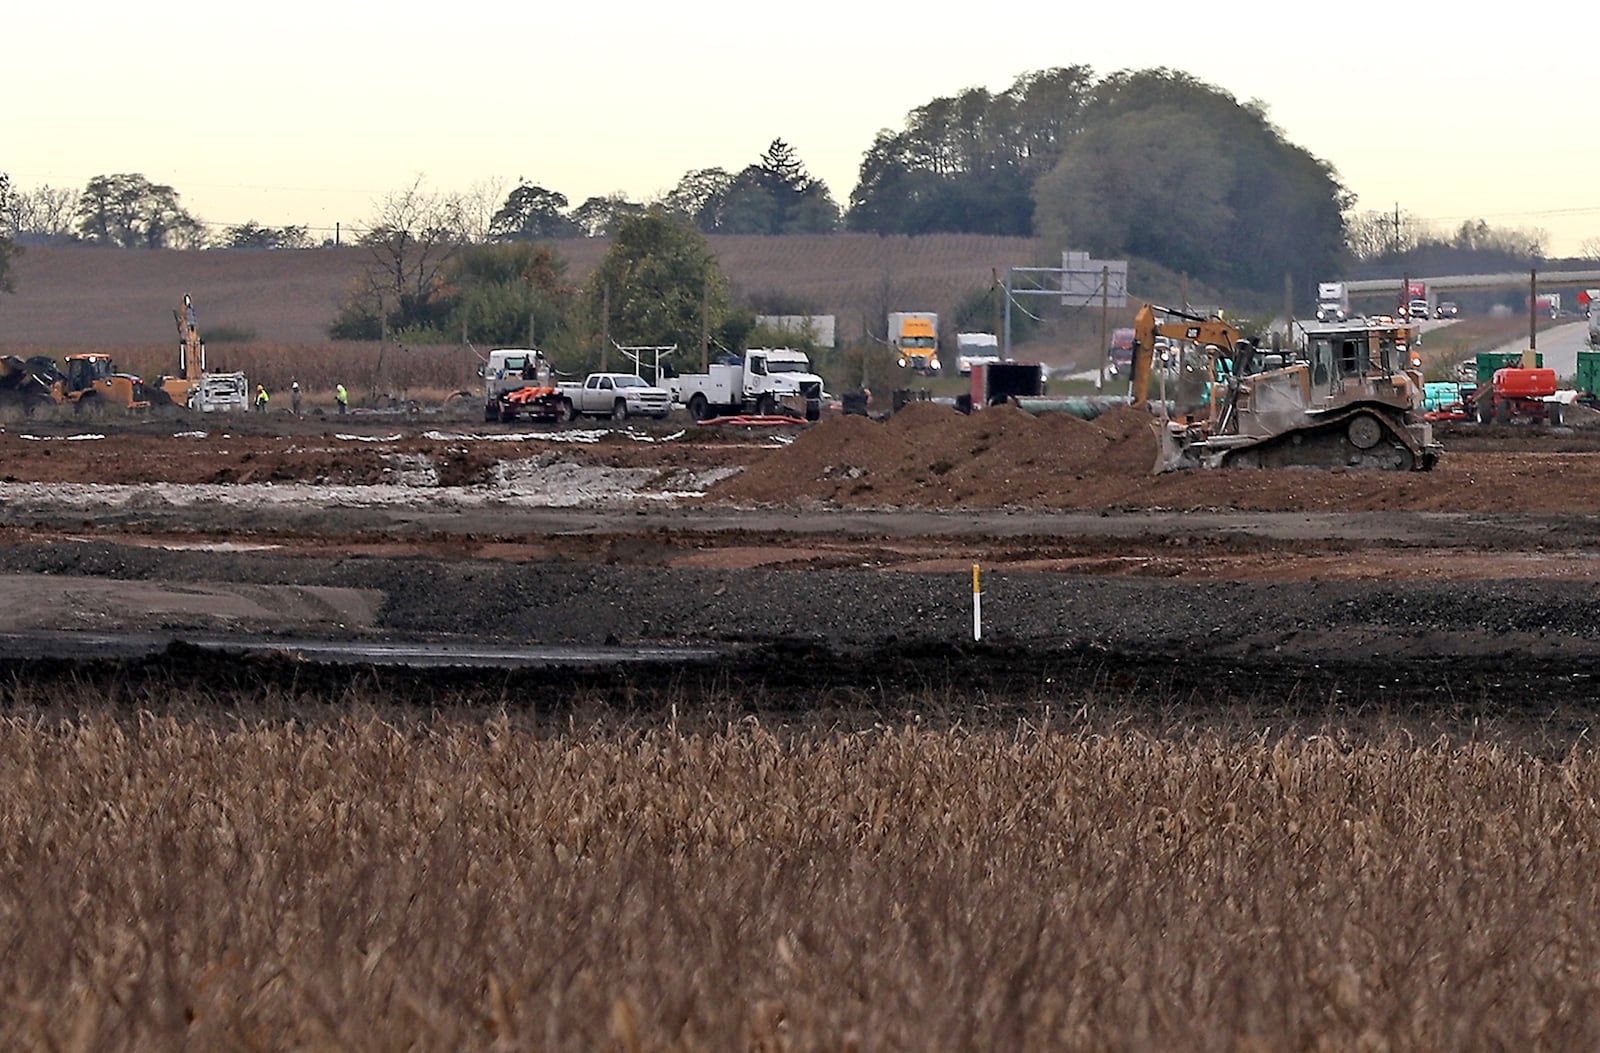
(194, 386)
(191, 357)
(1352, 398)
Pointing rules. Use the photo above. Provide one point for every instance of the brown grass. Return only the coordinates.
(380, 881)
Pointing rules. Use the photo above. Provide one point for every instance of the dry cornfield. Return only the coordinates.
(383, 879)
(69, 297)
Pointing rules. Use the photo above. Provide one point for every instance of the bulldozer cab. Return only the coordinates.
(1338, 356)
(83, 371)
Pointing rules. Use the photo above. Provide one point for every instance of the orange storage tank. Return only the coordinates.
(1519, 383)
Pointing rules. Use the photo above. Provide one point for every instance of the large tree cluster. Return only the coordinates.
(130, 212)
(774, 195)
(967, 164)
(1151, 164)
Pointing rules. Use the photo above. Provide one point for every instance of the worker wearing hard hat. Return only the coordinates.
(261, 398)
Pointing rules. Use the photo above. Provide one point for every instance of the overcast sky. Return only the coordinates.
(308, 113)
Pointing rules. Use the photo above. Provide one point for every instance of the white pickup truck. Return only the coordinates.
(615, 395)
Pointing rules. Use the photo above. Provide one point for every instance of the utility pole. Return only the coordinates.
(1531, 359)
(994, 297)
(1105, 323)
(705, 325)
(1288, 307)
(605, 324)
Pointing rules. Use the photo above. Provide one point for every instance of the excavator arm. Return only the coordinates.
(1144, 341)
(191, 349)
(1191, 328)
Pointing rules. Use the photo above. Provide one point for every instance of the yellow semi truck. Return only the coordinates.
(915, 335)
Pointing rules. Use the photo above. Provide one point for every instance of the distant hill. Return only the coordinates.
(80, 296)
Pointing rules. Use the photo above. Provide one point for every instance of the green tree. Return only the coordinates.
(532, 213)
(776, 195)
(1176, 171)
(701, 197)
(658, 278)
(130, 212)
(599, 217)
(967, 164)
(8, 245)
(500, 292)
(252, 235)
(1151, 184)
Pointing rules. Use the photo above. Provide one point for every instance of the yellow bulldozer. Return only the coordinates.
(1352, 397)
(92, 383)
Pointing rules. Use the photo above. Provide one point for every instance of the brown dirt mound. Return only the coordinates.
(931, 455)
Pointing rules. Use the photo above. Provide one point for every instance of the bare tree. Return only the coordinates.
(8, 247)
(44, 216)
(479, 204)
(414, 234)
(1373, 235)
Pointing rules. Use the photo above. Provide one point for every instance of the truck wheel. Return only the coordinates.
(619, 410)
(565, 413)
(91, 406)
(1555, 414)
(491, 412)
(698, 408)
(1502, 412)
(813, 409)
(765, 406)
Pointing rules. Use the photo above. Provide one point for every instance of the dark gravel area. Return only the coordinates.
(802, 637)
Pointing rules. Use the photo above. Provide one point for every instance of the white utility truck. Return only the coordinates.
(766, 381)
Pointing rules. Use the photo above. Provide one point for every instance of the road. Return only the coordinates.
(1559, 345)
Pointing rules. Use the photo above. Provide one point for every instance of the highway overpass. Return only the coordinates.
(1563, 279)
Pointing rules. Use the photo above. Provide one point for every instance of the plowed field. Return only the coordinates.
(852, 537)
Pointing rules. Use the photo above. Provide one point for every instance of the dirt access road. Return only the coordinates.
(835, 557)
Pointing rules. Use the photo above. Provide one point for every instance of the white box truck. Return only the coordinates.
(973, 349)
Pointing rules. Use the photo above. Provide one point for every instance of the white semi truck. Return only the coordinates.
(1333, 302)
(765, 381)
